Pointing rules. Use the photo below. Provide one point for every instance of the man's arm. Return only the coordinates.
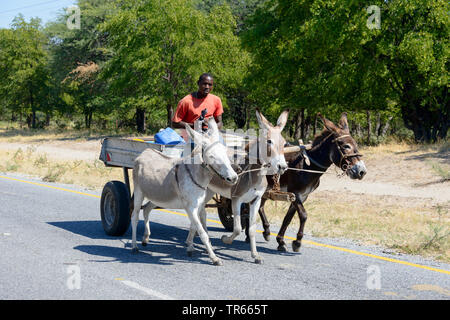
(181, 125)
(219, 121)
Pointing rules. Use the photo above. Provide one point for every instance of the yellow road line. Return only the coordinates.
(273, 234)
(51, 187)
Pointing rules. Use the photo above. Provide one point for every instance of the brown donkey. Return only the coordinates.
(333, 145)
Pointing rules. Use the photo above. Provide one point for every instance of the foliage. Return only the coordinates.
(413, 45)
(321, 55)
(76, 50)
(161, 48)
(24, 77)
(306, 55)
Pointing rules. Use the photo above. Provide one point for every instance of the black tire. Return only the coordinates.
(115, 208)
(225, 212)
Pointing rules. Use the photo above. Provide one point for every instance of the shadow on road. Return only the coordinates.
(166, 246)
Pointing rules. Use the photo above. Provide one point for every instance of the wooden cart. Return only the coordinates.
(116, 195)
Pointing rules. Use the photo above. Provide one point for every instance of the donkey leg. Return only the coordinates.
(237, 228)
(245, 227)
(202, 214)
(296, 244)
(195, 220)
(190, 240)
(193, 232)
(252, 230)
(286, 221)
(147, 208)
(264, 220)
(138, 198)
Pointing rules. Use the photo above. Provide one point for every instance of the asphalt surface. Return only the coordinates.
(53, 246)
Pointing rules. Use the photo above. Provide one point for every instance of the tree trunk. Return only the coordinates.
(385, 128)
(315, 125)
(169, 115)
(306, 126)
(47, 119)
(369, 126)
(33, 111)
(378, 124)
(33, 119)
(88, 119)
(140, 120)
(298, 124)
(29, 120)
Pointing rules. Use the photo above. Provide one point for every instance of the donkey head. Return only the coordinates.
(214, 153)
(344, 151)
(271, 143)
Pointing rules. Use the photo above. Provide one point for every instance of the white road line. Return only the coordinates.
(147, 291)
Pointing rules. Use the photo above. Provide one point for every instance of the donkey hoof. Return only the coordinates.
(190, 253)
(144, 244)
(134, 251)
(282, 248)
(226, 240)
(258, 260)
(296, 246)
(218, 262)
(266, 236)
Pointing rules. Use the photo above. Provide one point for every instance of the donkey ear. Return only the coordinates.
(329, 125)
(213, 129)
(194, 135)
(343, 124)
(263, 122)
(282, 119)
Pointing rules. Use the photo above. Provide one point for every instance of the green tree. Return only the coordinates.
(77, 55)
(413, 47)
(160, 49)
(241, 9)
(320, 55)
(24, 77)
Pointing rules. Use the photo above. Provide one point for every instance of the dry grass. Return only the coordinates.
(66, 156)
(91, 174)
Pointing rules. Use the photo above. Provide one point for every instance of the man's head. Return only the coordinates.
(205, 84)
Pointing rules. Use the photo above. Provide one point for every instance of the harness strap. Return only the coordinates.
(192, 178)
(317, 164)
(176, 176)
(306, 156)
(190, 175)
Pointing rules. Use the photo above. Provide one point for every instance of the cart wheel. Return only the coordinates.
(226, 213)
(115, 208)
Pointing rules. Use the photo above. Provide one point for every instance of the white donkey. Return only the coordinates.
(173, 183)
(252, 182)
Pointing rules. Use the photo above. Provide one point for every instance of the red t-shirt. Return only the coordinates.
(190, 109)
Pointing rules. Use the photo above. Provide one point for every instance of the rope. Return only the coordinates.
(306, 170)
(246, 171)
(339, 175)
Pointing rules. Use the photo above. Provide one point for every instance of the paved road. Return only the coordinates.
(53, 247)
